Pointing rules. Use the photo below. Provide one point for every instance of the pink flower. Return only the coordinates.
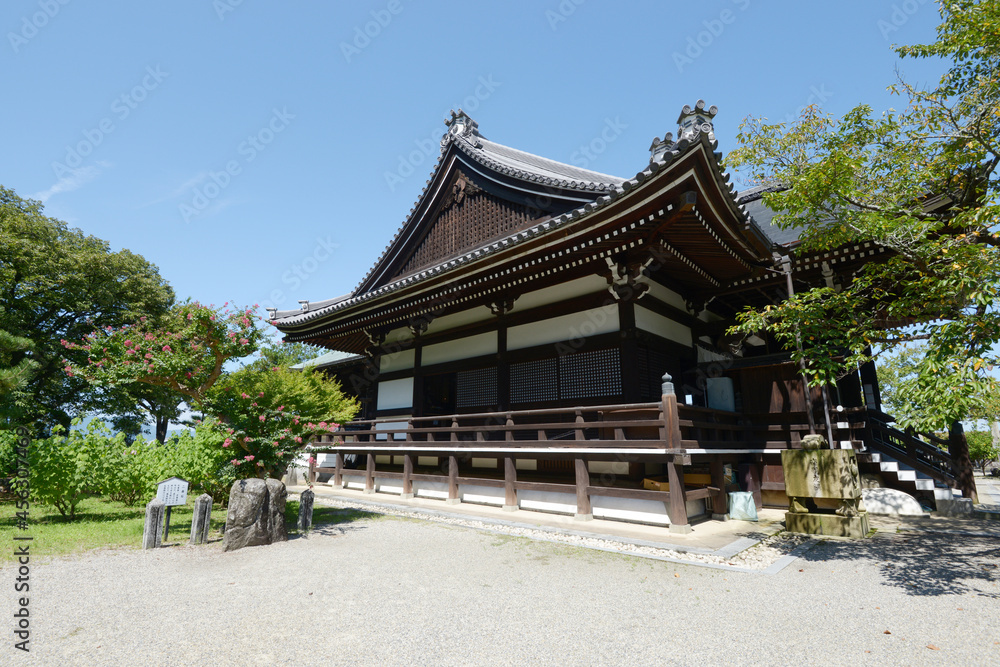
(130, 351)
(227, 442)
(232, 334)
(280, 408)
(263, 418)
(260, 463)
(312, 459)
(166, 348)
(244, 395)
(244, 341)
(322, 424)
(236, 462)
(149, 355)
(128, 343)
(298, 438)
(190, 316)
(261, 394)
(249, 457)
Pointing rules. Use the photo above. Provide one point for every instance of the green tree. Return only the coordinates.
(270, 413)
(184, 351)
(923, 183)
(58, 283)
(981, 448)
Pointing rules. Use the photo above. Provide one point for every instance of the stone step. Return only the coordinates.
(924, 484)
(888, 466)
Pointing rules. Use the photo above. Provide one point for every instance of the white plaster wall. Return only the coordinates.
(354, 480)
(436, 490)
(566, 327)
(396, 361)
(393, 394)
(389, 426)
(647, 320)
(526, 464)
(470, 316)
(429, 461)
(487, 495)
(484, 463)
(547, 501)
(388, 485)
(608, 467)
(630, 509)
(561, 292)
(661, 293)
(463, 348)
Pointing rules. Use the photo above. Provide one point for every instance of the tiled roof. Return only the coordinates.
(533, 168)
(544, 171)
(753, 200)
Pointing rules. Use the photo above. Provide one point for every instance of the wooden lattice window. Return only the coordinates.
(477, 388)
(590, 374)
(534, 381)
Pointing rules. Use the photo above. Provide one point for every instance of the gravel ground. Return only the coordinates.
(401, 591)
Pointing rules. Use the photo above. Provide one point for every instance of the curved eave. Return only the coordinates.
(687, 162)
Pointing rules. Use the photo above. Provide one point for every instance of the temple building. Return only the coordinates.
(541, 336)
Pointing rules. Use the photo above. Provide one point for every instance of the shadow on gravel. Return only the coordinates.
(925, 564)
(327, 520)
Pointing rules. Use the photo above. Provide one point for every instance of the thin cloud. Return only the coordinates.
(75, 180)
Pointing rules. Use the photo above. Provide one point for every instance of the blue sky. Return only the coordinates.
(265, 153)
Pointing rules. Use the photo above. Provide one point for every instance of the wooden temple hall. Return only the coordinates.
(543, 337)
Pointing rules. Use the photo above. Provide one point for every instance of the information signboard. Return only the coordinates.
(172, 491)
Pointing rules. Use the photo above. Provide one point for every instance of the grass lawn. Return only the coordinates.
(101, 523)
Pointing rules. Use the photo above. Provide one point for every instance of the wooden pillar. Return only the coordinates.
(720, 501)
(584, 510)
(509, 479)
(503, 366)
(370, 474)
(338, 473)
(453, 497)
(629, 352)
(418, 376)
(671, 418)
(677, 506)
(958, 449)
(407, 476)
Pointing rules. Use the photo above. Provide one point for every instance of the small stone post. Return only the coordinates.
(152, 531)
(202, 519)
(306, 499)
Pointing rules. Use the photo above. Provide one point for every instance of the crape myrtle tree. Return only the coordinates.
(58, 283)
(923, 183)
(267, 412)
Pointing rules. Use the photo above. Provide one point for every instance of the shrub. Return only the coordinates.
(60, 469)
(200, 458)
(126, 473)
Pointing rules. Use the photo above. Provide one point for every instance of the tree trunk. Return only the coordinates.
(958, 448)
(161, 428)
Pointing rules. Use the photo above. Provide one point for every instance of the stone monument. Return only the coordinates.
(829, 476)
(256, 514)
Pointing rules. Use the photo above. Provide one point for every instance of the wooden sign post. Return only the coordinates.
(172, 491)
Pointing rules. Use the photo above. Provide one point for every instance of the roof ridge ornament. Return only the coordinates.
(461, 124)
(658, 149)
(693, 122)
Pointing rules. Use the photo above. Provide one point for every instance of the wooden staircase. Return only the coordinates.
(917, 463)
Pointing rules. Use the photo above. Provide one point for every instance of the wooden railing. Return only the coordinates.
(636, 426)
(923, 452)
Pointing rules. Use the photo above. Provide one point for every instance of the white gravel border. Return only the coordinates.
(769, 555)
